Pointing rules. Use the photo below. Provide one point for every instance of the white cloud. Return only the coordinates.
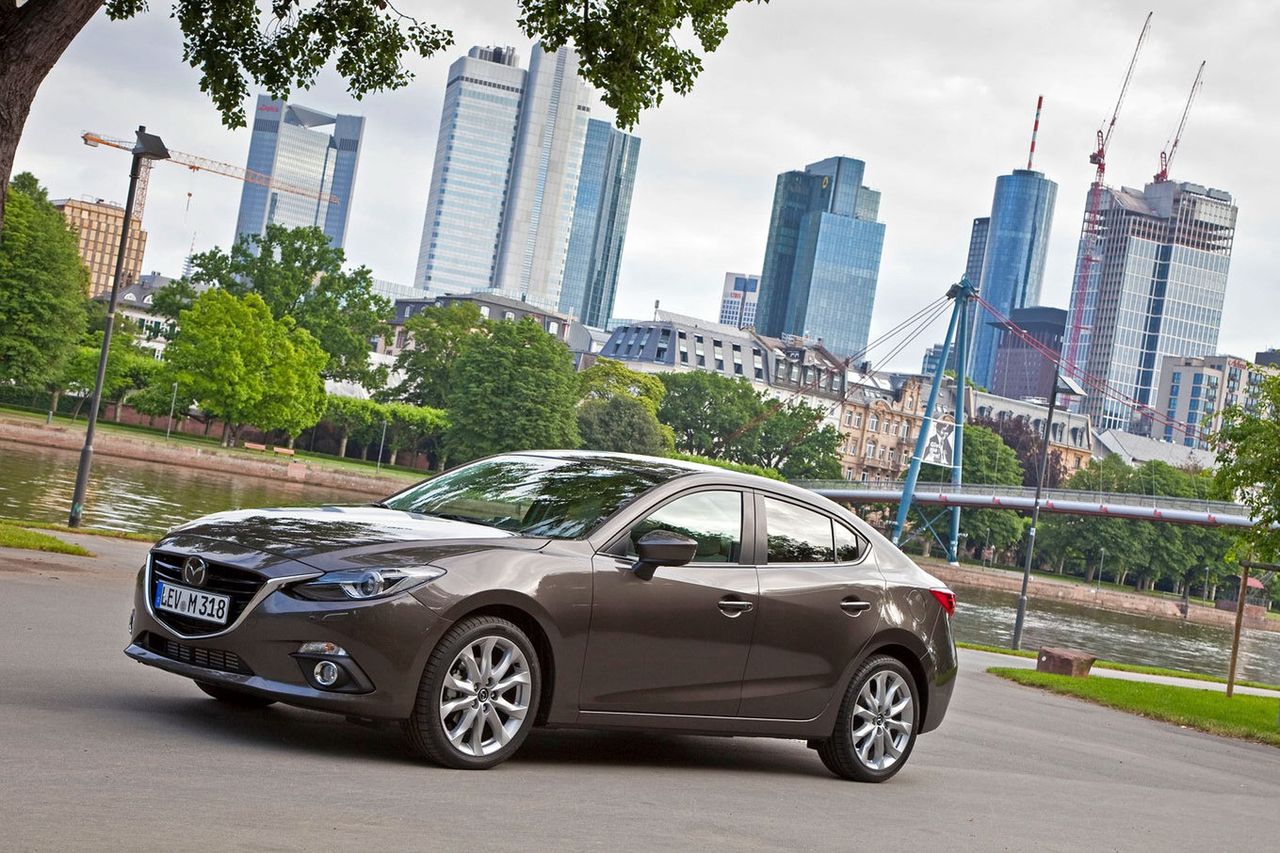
(936, 97)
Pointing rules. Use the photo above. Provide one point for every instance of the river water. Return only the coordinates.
(145, 497)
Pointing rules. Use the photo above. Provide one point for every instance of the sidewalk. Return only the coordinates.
(111, 557)
(986, 659)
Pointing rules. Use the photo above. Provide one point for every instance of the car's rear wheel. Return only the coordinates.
(478, 696)
(877, 724)
(231, 696)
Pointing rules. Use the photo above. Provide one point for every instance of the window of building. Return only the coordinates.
(873, 425)
(857, 419)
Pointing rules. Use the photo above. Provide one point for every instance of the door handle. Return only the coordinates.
(853, 607)
(733, 608)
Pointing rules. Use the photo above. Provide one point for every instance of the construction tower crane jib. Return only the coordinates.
(1093, 209)
(1166, 156)
(197, 163)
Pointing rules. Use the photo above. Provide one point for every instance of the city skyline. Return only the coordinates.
(931, 187)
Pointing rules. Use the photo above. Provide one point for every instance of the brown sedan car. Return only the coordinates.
(563, 589)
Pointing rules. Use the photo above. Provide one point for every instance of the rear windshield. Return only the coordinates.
(536, 495)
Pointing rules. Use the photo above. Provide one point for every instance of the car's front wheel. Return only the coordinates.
(877, 724)
(478, 696)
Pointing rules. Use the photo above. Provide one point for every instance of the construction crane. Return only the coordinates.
(1166, 156)
(1093, 210)
(200, 164)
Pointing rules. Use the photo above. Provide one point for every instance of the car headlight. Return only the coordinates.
(363, 584)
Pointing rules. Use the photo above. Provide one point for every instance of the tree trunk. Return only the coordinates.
(226, 435)
(364, 452)
(342, 445)
(33, 37)
(290, 444)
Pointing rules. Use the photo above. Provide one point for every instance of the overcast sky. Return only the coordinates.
(936, 97)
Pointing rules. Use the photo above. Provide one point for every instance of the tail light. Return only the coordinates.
(946, 598)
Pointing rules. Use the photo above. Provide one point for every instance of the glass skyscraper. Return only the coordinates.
(501, 204)
(303, 148)
(822, 259)
(1017, 240)
(1155, 288)
(739, 299)
(601, 210)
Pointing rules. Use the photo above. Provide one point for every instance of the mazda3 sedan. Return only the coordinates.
(565, 589)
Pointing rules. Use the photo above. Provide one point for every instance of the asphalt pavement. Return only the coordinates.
(98, 752)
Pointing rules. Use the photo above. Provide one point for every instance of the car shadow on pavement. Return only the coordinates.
(296, 730)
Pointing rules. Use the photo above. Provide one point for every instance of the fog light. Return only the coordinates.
(322, 648)
(326, 673)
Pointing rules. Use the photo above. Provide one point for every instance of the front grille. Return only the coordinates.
(207, 658)
(241, 585)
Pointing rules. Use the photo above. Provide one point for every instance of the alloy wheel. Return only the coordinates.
(485, 696)
(880, 725)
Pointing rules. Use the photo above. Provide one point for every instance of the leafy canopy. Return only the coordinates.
(438, 335)
(43, 285)
(1249, 465)
(298, 274)
(622, 424)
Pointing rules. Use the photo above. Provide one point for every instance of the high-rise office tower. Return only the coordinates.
(977, 249)
(822, 259)
(601, 210)
(1155, 286)
(1021, 369)
(304, 148)
(97, 224)
(739, 299)
(1012, 268)
(500, 207)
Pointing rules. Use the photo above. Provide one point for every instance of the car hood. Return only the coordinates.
(339, 536)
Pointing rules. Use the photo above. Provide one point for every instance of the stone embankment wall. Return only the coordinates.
(268, 466)
(1088, 596)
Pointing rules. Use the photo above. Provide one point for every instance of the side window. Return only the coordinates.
(849, 545)
(797, 535)
(712, 519)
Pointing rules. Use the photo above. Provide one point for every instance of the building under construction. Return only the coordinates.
(1154, 287)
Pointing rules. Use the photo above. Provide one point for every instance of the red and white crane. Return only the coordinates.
(1166, 156)
(1093, 210)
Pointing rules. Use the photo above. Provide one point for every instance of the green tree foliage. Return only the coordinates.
(129, 366)
(770, 473)
(439, 335)
(629, 49)
(1026, 443)
(411, 427)
(712, 416)
(171, 300)
(241, 365)
(1249, 465)
(42, 289)
(622, 424)
(298, 274)
(608, 378)
(513, 389)
(349, 415)
(793, 440)
(987, 460)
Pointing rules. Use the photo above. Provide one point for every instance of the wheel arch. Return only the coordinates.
(907, 650)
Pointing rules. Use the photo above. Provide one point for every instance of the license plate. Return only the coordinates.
(193, 603)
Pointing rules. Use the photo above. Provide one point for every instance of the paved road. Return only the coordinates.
(97, 752)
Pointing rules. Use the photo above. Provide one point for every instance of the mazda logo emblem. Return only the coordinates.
(195, 571)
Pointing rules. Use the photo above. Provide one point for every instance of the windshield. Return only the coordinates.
(536, 495)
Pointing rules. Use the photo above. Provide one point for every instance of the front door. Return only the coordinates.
(678, 643)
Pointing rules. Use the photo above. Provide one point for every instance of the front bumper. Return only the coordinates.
(388, 641)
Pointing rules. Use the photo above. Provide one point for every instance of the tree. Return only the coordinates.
(299, 274)
(987, 460)
(712, 416)
(622, 424)
(794, 441)
(1248, 458)
(171, 300)
(42, 289)
(409, 427)
(243, 366)
(513, 389)
(439, 334)
(608, 378)
(1026, 442)
(349, 415)
(628, 48)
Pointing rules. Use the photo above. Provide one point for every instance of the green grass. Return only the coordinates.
(12, 536)
(84, 531)
(1124, 667)
(1248, 717)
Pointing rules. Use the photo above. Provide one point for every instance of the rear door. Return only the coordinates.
(820, 602)
(678, 643)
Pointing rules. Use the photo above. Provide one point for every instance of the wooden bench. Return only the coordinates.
(1071, 662)
(249, 445)
(284, 451)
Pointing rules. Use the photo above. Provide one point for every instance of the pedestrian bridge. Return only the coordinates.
(1068, 501)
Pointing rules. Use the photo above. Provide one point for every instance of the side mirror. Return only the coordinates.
(662, 548)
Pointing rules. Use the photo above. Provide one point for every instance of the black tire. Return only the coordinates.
(236, 698)
(426, 730)
(840, 753)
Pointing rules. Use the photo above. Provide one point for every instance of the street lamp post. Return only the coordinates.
(173, 402)
(1061, 385)
(148, 147)
(1102, 561)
